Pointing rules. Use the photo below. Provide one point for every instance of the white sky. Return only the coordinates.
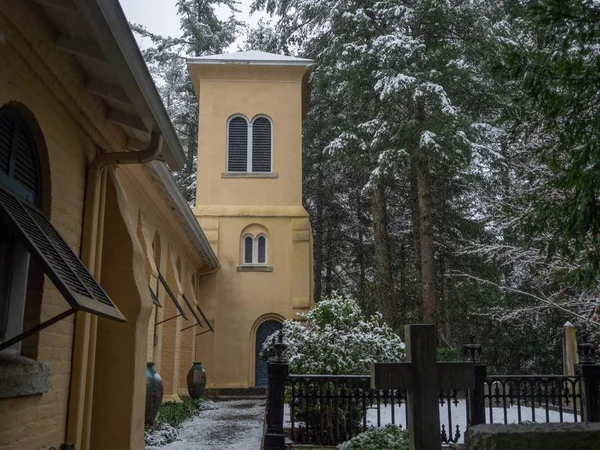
(160, 16)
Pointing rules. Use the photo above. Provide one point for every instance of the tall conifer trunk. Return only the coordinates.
(318, 241)
(383, 259)
(426, 243)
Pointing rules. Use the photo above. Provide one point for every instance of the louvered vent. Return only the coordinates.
(261, 145)
(61, 265)
(237, 159)
(7, 125)
(26, 171)
(19, 168)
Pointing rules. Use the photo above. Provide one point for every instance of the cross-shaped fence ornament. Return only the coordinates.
(422, 377)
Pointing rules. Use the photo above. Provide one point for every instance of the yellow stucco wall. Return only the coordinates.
(49, 87)
(226, 90)
(47, 83)
(237, 301)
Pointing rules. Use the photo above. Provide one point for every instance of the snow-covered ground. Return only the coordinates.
(458, 414)
(234, 425)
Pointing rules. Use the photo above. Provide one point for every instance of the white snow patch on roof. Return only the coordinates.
(251, 57)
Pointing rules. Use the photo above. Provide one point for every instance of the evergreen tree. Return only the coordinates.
(397, 81)
(202, 33)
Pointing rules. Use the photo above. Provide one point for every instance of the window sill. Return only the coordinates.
(248, 268)
(20, 376)
(249, 175)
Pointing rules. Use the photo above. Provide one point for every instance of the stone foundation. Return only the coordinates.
(559, 436)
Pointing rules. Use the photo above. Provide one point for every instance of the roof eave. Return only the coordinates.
(188, 216)
(117, 42)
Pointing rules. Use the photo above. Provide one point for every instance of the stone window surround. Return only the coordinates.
(22, 376)
(254, 268)
(249, 175)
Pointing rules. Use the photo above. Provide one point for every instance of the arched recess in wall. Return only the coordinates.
(30, 169)
(254, 245)
(253, 358)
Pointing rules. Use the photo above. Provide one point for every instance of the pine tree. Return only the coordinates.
(202, 33)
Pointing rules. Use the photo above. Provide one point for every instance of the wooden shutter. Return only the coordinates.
(261, 145)
(155, 299)
(172, 296)
(62, 266)
(19, 167)
(7, 124)
(237, 151)
(189, 305)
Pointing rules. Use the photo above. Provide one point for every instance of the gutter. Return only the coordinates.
(190, 219)
(109, 24)
(79, 410)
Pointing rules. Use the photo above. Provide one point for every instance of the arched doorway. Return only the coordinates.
(265, 330)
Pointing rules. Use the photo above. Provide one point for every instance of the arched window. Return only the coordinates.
(249, 145)
(255, 249)
(19, 165)
(261, 144)
(248, 249)
(20, 174)
(26, 232)
(262, 249)
(237, 144)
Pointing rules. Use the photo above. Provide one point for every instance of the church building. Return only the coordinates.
(249, 204)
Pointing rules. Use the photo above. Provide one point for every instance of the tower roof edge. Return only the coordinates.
(251, 58)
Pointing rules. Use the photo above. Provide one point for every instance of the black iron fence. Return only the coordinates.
(329, 409)
(545, 398)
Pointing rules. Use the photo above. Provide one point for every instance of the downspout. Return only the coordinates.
(79, 418)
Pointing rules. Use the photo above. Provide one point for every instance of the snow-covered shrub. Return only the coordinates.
(162, 434)
(338, 339)
(391, 437)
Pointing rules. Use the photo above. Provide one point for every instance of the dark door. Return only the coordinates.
(265, 330)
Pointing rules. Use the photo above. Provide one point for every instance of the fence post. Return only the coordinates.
(589, 369)
(476, 397)
(278, 369)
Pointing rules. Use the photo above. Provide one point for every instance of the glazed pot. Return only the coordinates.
(154, 393)
(196, 380)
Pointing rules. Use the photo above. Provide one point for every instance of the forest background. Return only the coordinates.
(451, 157)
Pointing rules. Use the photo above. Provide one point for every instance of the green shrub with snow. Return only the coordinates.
(391, 437)
(338, 339)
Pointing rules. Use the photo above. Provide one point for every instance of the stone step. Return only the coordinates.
(254, 393)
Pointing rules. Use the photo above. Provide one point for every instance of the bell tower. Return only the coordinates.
(249, 203)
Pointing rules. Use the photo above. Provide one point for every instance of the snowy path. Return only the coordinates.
(234, 425)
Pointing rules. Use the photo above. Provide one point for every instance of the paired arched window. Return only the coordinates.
(255, 249)
(249, 144)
